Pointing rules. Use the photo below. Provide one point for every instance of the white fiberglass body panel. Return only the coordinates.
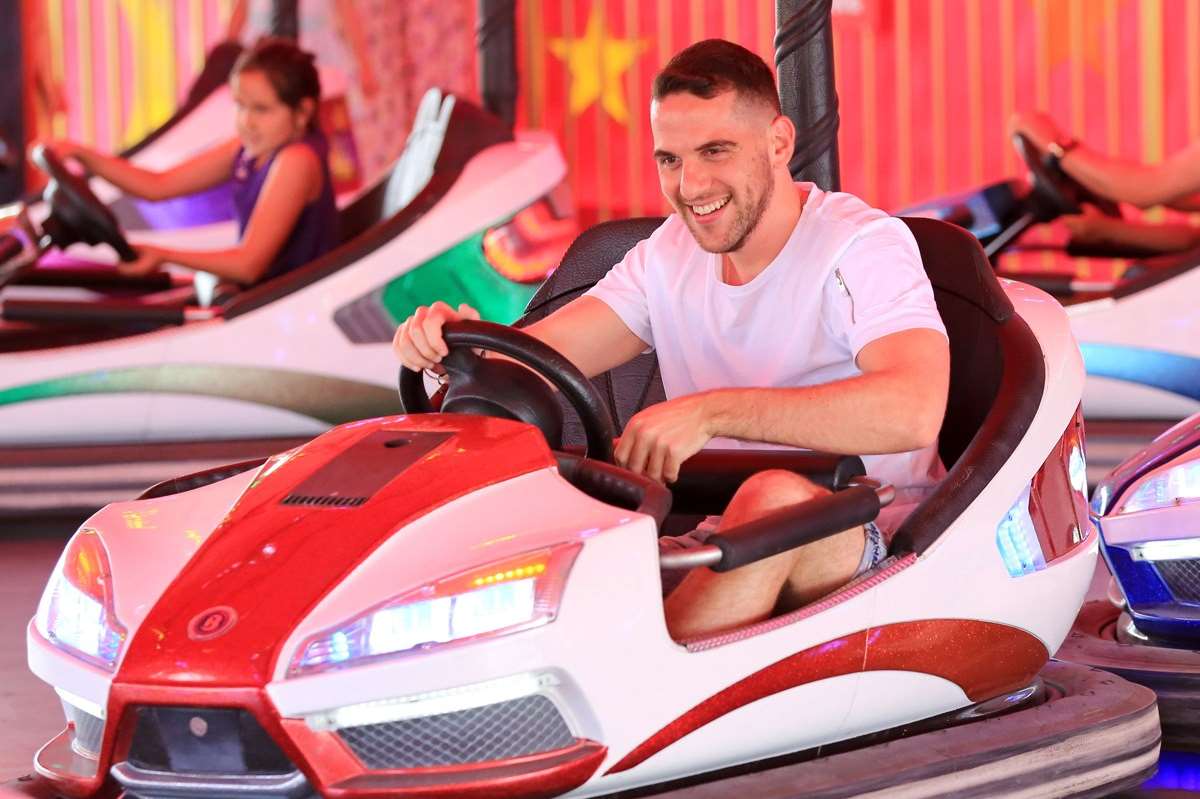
(295, 334)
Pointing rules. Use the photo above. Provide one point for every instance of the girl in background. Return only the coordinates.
(278, 164)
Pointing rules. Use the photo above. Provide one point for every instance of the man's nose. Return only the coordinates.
(694, 181)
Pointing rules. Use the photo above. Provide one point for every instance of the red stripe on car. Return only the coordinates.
(983, 658)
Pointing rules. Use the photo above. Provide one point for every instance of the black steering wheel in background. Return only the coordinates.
(1055, 193)
(495, 387)
(76, 213)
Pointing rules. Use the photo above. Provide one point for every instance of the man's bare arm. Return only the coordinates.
(1171, 182)
(895, 405)
(586, 331)
(590, 335)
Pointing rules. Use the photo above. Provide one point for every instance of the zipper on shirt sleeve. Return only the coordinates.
(837, 273)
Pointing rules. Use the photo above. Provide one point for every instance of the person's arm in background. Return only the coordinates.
(293, 181)
(201, 171)
(1174, 182)
(1096, 229)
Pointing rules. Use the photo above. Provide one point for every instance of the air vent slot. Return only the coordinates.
(324, 502)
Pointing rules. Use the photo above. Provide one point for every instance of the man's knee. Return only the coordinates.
(767, 491)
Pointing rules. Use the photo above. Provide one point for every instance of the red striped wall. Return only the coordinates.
(926, 85)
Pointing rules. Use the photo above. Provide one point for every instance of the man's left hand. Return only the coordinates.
(660, 438)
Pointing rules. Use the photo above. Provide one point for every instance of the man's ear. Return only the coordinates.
(782, 139)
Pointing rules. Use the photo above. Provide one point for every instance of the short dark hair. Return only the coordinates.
(715, 66)
(291, 71)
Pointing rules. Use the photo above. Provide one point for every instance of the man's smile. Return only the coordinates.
(709, 208)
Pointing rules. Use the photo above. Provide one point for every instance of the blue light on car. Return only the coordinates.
(1177, 771)
(339, 650)
(1017, 540)
(413, 625)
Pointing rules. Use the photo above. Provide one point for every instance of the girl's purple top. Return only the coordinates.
(315, 232)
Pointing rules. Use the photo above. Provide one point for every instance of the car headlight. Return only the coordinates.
(76, 612)
(495, 599)
(1176, 485)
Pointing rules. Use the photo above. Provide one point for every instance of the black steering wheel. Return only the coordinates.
(1055, 193)
(495, 387)
(76, 213)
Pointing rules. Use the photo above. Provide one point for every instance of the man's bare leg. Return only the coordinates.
(708, 602)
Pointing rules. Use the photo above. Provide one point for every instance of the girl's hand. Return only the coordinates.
(149, 260)
(63, 148)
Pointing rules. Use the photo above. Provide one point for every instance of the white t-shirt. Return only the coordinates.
(848, 275)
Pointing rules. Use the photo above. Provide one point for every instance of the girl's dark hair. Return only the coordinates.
(715, 66)
(290, 71)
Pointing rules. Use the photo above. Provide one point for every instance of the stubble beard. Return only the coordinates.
(745, 222)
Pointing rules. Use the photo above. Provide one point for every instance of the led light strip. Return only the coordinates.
(1169, 549)
(433, 703)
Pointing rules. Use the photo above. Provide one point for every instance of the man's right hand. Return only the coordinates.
(418, 342)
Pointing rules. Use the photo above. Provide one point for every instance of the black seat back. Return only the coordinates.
(997, 376)
(629, 387)
(996, 368)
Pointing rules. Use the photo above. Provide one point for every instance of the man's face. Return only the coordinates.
(714, 165)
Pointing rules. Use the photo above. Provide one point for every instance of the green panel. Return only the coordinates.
(460, 274)
(333, 400)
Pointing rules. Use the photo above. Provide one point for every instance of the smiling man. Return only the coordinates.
(782, 316)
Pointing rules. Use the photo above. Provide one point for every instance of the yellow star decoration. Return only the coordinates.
(596, 63)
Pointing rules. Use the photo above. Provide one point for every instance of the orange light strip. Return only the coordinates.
(903, 102)
(537, 62)
(1008, 91)
(633, 130)
(112, 74)
(937, 57)
(1150, 18)
(570, 128)
(519, 573)
(87, 90)
(601, 127)
(1112, 86)
(665, 51)
(58, 69)
(975, 89)
(870, 157)
(196, 36)
(1041, 64)
(1075, 24)
(1192, 29)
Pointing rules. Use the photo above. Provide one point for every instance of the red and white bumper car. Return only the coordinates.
(441, 605)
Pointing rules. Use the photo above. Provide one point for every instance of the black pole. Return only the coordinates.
(12, 109)
(804, 64)
(496, 44)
